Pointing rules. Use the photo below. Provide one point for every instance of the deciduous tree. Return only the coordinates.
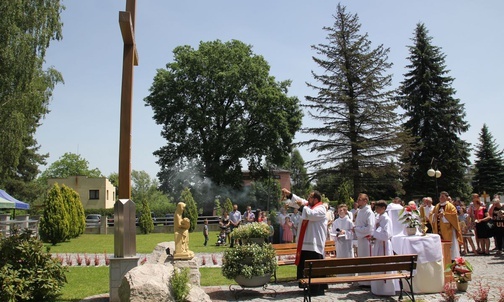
(69, 164)
(219, 105)
(299, 176)
(26, 29)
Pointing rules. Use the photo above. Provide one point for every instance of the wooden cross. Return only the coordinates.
(130, 59)
(124, 208)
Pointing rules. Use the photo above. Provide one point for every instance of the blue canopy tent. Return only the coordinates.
(5, 204)
(17, 204)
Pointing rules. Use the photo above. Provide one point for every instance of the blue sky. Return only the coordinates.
(84, 115)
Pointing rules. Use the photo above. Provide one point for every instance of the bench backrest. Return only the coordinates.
(282, 249)
(374, 264)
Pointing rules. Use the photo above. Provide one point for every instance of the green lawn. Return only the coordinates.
(145, 244)
(85, 282)
(89, 281)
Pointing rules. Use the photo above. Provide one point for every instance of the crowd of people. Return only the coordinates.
(370, 225)
(367, 228)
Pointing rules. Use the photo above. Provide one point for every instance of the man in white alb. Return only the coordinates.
(312, 233)
(364, 227)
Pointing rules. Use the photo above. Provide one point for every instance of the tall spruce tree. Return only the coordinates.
(358, 133)
(489, 164)
(435, 118)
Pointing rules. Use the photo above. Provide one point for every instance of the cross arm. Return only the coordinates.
(128, 33)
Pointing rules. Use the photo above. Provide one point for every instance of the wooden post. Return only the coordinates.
(124, 208)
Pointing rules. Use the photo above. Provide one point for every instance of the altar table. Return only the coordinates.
(429, 277)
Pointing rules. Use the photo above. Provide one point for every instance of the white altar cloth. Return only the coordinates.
(429, 277)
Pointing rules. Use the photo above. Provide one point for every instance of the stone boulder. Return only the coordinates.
(159, 254)
(147, 283)
(151, 281)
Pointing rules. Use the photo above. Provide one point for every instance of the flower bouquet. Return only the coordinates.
(410, 216)
(460, 269)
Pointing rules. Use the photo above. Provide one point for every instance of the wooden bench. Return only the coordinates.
(331, 270)
(289, 249)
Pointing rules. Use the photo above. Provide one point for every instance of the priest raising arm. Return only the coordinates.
(312, 233)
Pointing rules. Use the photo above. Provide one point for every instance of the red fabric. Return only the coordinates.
(480, 213)
(302, 232)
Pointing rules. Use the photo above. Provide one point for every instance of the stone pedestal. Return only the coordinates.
(118, 268)
(194, 273)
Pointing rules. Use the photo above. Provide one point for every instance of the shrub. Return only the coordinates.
(249, 260)
(54, 223)
(27, 273)
(191, 210)
(251, 230)
(179, 284)
(145, 222)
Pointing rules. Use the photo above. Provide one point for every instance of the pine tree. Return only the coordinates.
(435, 118)
(54, 223)
(489, 164)
(191, 210)
(353, 105)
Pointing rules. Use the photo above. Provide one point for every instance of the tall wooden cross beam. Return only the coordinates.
(124, 209)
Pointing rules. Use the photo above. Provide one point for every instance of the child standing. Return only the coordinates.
(382, 236)
(287, 236)
(205, 232)
(341, 233)
(465, 228)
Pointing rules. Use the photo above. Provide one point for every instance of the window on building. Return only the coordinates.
(94, 194)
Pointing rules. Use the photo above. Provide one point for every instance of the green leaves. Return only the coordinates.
(26, 29)
(219, 105)
(27, 273)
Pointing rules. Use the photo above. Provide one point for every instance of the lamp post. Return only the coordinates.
(436, 174)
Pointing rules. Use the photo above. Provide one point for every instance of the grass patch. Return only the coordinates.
(89, 281)
(145, 244)
(85, 282)
(212, 276)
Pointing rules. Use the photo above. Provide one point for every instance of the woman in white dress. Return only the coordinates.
(382, 247)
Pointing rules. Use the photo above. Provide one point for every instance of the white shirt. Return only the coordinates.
(364, 223)
(316, 231)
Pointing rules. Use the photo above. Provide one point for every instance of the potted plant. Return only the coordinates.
(461, 270)
(410, 216)
(250, 265)
(256, 232)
